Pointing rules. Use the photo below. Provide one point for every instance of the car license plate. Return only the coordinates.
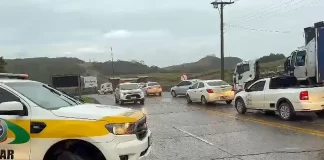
(133, 97)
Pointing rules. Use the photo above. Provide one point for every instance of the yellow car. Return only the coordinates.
(152, 88)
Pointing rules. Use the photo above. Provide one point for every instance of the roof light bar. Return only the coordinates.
(14, 76)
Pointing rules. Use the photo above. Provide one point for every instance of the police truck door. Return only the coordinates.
(14, 127)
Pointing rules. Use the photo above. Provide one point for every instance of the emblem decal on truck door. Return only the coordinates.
(21, 136)
(248, 99)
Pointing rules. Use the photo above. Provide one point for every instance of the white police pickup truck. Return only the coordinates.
(282, 94)
(39, 122)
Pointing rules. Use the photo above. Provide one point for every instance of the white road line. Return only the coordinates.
(192, 135)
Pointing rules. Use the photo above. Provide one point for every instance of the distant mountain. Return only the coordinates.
(205, 64)
(42, 68)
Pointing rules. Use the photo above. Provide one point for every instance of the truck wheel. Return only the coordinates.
(174, 94)
(66, 155)
(121, 102)
(203, 100)
(188, 99)
(286, 111)
(116, 100)
(320, 114)
(142, 101)
(229, 102)
(240, 106)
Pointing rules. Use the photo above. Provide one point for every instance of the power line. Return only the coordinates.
(280, 13)
(258, 30)
(283, 6)
(312, 2)
(256, 11)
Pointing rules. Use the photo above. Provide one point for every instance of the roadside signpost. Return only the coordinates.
(183, 77)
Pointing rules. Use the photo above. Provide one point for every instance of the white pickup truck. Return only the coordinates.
(282, 94)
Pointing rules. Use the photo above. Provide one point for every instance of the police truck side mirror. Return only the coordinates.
(11, 108)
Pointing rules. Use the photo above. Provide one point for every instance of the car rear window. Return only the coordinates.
(153, 84)
(217, 83)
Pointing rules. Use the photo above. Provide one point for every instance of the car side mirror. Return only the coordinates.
(190, 87)
(11, 108)
(247, 90)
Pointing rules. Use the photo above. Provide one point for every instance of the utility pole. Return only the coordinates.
(112, 63)
(221, 4)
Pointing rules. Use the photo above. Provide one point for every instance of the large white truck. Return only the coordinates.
(306, 63)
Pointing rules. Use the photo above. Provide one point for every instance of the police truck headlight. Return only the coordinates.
(121, 129)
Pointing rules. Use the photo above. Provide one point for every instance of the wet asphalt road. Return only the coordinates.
(196, 132)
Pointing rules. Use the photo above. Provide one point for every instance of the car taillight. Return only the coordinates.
(210, 91)
(149, 88)
(303, 95)
(233, 89)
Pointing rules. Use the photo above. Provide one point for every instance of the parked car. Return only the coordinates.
(210, 91)
(128, 92)
(281, 94)
(182, 87)
(105, 88)
(152, 88)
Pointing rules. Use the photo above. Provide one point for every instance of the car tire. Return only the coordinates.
(160, 94)
(121, 102)
(188, 99)
(142, 101)
(174, 94)
(229, 102)
(66, 155)
(203, 100)
(240, 106)
(286, 111)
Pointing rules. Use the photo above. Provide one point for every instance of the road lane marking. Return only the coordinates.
(272, 124)
(192, 135)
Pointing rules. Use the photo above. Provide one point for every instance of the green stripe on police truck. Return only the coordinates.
(21, 135)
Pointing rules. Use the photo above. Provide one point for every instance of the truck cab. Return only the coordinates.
(307, 63)
(244, 73)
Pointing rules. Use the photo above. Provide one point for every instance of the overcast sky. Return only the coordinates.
(159, 32)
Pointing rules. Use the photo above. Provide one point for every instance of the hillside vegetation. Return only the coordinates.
(42, 68)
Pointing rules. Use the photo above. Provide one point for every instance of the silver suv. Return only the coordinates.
(128, 92)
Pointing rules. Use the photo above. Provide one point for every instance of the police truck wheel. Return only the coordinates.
(240, 106)
(66, 155)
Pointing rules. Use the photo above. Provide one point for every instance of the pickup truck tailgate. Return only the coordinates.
(316, 94)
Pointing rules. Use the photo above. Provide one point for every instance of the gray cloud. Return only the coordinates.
(160, 33)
